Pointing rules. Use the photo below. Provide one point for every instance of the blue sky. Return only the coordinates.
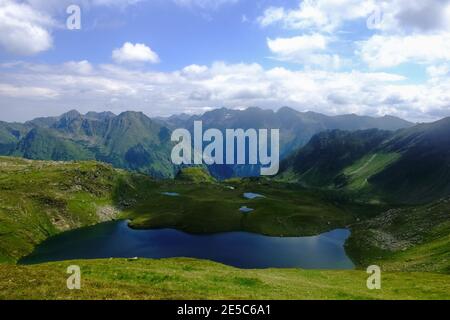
(371, 57)
(180, 34)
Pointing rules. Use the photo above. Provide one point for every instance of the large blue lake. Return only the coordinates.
(239, 249)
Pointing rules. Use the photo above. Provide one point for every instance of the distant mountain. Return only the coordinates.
(10, 134)
(296, 128)
(133, 141)
(411, 165)
(130, 140)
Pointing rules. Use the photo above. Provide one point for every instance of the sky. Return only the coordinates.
(164, 57)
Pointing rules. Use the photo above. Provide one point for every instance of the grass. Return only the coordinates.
(39, 199)
(286, 210)
(194, 279)
(359, 173)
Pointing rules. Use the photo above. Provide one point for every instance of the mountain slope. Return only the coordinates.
(407, 239)
(43, 144)
(423, 171)
(321, 161)
(296, 128)
(130, 141)
(10, 134)
(133, 141)
(408, 166)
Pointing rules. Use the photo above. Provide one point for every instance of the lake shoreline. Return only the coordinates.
(239, 249)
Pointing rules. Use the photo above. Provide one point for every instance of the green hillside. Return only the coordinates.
(410, 166)
(130, 140)
(39, 199)
(195, 175)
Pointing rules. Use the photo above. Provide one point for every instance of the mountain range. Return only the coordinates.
(411, 165)
(133, 141)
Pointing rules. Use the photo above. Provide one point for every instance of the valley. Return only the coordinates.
(40, 199)
(388, 188)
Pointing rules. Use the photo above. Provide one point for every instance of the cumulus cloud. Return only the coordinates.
(196, 88)
(26, 26)
(24, 31)
(415, 16)
(305, 49)
(391, 50)
(408, 31)
(138, 52)
(326, 15)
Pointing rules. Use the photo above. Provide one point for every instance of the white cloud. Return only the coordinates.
(310, 50)
(320, 15)
(23, 30)
(41, 88)
(81, 67)
(297, 45)
(438, 71)
(39, 93)
(382, 51)
(411, 31)
(134, 53)
(415, 16)
(26, 25)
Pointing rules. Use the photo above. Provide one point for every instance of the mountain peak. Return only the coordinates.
(72, 114)
(286, 110)
(134, 116)
(100, 115)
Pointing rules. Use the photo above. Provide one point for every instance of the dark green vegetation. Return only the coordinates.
(135, 142)
(410, 166)
(193, 279)
(195, 175)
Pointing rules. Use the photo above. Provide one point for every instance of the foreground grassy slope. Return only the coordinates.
(194, 279)
(39, 199)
